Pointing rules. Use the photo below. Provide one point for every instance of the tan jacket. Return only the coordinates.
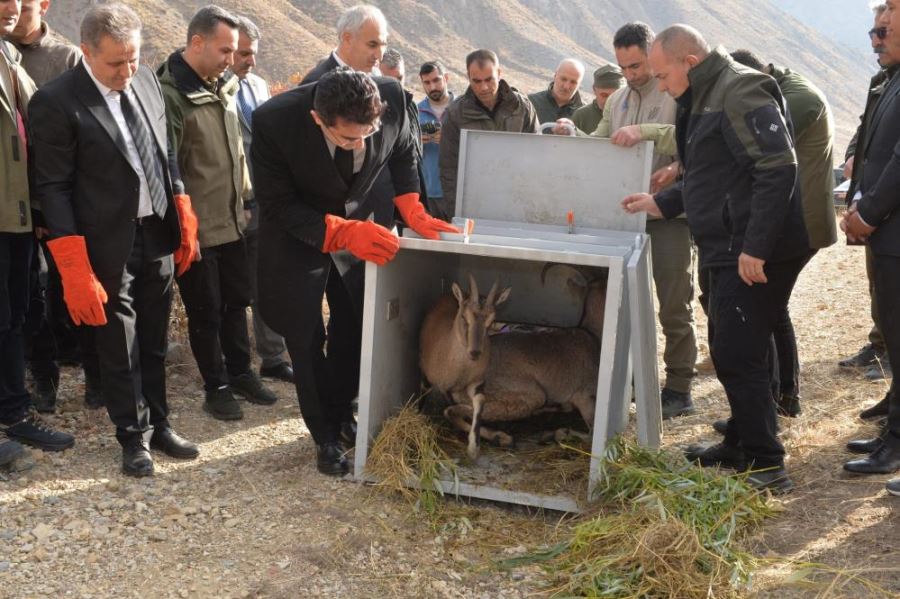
(644, 106)
(205, 132)
(15, 206)
(48, 57)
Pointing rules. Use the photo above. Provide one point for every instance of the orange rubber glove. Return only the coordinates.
(362, 238)
(82, 292)
(415, 217)
(189, 250)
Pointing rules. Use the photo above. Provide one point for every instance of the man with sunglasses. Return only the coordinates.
(872, 358)
(317, 151)
(874, 218)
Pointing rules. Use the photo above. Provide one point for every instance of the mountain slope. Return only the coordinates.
(530, 36)
(845, 21)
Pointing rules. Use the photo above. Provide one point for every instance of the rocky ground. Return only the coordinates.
(252, 518)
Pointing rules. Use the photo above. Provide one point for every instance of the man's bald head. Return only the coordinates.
(567, 79)
(680, 41)
(677, 50)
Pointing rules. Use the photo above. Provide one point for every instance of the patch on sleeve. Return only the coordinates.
(768, 129)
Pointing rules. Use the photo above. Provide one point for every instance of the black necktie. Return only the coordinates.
(343, 160)
(146, 149)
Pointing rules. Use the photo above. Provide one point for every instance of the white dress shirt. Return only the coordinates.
(113, 101)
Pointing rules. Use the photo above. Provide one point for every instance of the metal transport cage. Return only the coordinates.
(534, 200)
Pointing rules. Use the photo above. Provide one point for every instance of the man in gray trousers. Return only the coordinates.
(254, 91)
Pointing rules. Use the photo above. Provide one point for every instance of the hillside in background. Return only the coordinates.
(530, 36)
(844, 21)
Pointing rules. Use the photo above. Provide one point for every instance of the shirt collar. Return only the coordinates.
(376, 72)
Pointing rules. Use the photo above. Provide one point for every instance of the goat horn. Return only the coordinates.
(490, 297)
(473, 287)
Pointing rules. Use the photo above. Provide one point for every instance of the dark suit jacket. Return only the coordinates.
(880, 179)
(297, 183)
(326, 64)
(83, 177)
(383, 187)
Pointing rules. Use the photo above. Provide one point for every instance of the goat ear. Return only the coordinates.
(457, 293)
(504, 295)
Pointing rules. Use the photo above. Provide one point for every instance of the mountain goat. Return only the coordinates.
(454, 352)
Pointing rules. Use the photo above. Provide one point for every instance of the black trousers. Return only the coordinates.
(786, 360)
(328, 381)
(887, 289)
(15, 264)
(216, 293)
(742, 319)
(132, 344)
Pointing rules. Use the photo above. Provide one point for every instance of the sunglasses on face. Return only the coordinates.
(878, 32)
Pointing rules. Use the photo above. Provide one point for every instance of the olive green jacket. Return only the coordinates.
(548, 111)
(15, 205)
(588, 117)
(814, 143)
(205, 132)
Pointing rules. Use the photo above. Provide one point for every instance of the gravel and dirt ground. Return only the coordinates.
(253, 518)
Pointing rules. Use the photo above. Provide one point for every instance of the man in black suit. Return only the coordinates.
(317, 151)
(114, 204)
(875, 218)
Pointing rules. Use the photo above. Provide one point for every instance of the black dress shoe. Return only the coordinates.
(864, 446)
(878, 410)
(136, 459)
(282, 372)
(884, 460)
(720, 454)
(775, 480)
(170, 443)
(348, 434)
(330, 459)
(893, 487)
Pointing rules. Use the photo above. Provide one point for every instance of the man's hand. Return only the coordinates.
(852, 225)
(432, 138)
(751, 269)
(848, 168)
(364, 239)
(41, 232)
(641, 202)
(627, 136)
(188, 251)
(418, 220)
(664, 177)
(564, 127)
